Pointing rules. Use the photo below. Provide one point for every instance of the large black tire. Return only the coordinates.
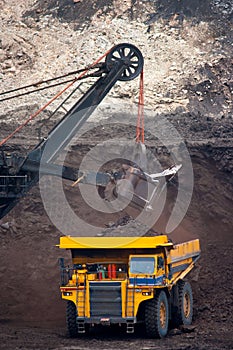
(71, 323)
(184, 311)
(157, 316)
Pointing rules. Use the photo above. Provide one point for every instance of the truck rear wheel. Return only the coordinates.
(184, 314)
(71, 323)
(157, 316)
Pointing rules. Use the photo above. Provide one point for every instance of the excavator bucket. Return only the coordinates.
(136, 185)
(143, 188)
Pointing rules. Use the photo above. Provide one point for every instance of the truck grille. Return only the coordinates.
(105, 298)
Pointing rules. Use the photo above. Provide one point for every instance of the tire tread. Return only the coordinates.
(151, 317)
(179, 319)
(71, 314)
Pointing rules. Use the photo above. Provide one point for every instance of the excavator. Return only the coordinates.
(19, 173)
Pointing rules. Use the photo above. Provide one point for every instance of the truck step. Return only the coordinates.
(130, 328)
(81, 327)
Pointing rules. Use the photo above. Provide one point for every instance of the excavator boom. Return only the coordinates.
(18, 174)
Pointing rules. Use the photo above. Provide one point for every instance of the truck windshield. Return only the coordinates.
(143, 265)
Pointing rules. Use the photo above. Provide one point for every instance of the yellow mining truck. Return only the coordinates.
(127, 281)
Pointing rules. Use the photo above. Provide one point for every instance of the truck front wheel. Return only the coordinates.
(184, 312)
(157, 316)
(71, 323)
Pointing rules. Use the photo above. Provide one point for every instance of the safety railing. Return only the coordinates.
(12, 184)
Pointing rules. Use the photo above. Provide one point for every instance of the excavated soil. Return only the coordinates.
(199, 106)
(32, 314)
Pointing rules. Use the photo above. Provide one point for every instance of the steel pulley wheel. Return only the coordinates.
(132, 58)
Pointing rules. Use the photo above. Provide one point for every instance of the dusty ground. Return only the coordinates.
(189, 80)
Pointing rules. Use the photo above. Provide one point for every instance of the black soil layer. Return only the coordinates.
(30, 275)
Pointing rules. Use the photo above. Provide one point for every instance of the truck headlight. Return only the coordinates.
(146, 293)
(67, 294)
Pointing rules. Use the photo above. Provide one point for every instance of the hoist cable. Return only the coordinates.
(52, 99)
(140, 132)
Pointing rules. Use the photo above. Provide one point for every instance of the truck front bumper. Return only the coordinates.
(106, 320)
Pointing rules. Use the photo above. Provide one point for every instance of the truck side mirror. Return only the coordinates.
(61, 263)
(160, 262)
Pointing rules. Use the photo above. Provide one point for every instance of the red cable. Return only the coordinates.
(140, 133)
(50, 101)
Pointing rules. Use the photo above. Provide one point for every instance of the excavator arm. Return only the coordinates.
(18, 174)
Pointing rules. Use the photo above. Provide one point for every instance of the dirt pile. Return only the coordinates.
(188, 81)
